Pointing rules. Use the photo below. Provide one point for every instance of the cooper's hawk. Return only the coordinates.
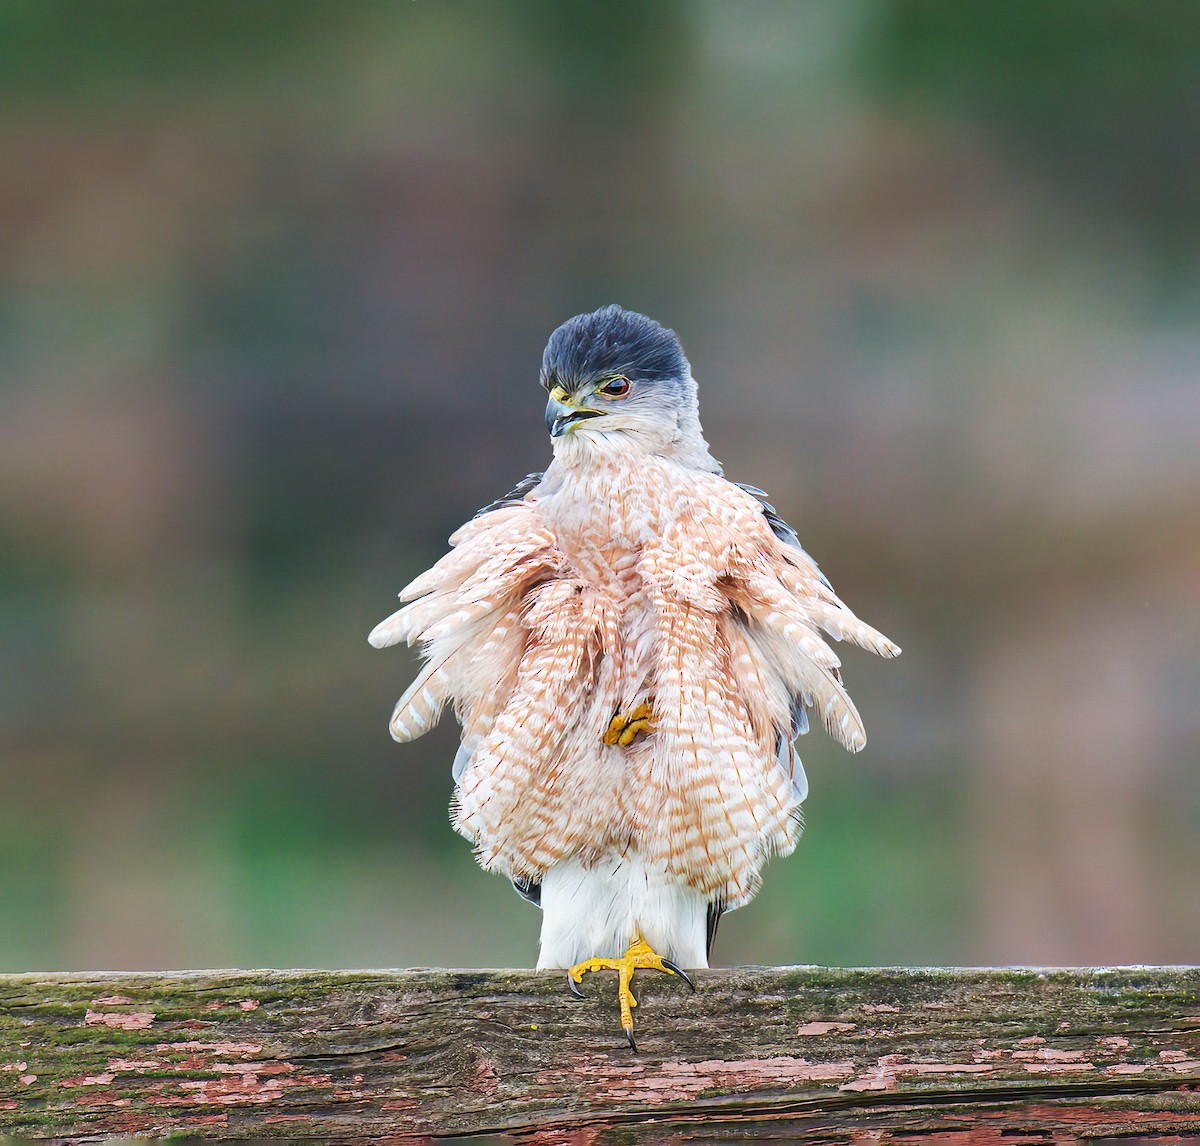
(631, 644)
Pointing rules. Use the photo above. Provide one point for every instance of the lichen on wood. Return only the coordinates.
(760, 1054)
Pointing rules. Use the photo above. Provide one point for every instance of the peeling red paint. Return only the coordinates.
(890, 1069)
(99, 1098)
(121, 1122)
(675, 1080)
(222, 1049)
(168, 1087)
(943, 1068)
(88, 1080)
(119, 1020)
(246, 1088)
(779, 1067)
(1059, 1067)
(396, 1104)
(254, 1067)
(486, 1080)
(134, 1064)
(584, 1137)
(826, 1028)
(880, 1077)
(1048, 1054)
(1109, 1116)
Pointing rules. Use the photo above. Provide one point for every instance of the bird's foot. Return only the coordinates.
(626, 727)
(640, 956)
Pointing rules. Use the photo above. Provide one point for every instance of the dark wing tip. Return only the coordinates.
(716, 908)
(528, 890)
(515, 496)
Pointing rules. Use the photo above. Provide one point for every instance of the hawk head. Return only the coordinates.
(618, 379)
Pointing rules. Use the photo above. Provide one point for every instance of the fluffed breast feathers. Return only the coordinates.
(719, 629)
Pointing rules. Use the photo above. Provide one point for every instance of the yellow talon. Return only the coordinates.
(625, 729)
(640, 956)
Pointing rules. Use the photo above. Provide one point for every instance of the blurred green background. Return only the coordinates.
(274, 282)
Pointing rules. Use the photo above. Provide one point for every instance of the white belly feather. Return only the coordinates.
(596, 911)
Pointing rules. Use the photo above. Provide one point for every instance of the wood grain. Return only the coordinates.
(757, 1054)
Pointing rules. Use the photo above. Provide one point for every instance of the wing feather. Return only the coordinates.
(779, 628)
(499, 571)
(441, 680)
(843, 625)
(508, 798)
(515, 496)
(466, 612)
(787, 599)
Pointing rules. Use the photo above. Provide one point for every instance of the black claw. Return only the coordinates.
(574, 987)
(629, 1036)
(677, 970)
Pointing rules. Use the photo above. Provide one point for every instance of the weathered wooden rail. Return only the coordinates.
(757, 1054)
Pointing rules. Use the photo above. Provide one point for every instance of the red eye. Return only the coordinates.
(616, 387)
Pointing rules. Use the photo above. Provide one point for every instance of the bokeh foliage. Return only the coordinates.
(274, 279)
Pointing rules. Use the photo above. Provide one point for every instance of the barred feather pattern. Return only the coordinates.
(627, 578)
(611, 585)
(511, 798)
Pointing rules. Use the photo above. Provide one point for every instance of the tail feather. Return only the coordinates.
(782, 627)
(420, 708)
(843, 625)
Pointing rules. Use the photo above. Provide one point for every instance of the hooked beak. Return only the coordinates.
(560, 417)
